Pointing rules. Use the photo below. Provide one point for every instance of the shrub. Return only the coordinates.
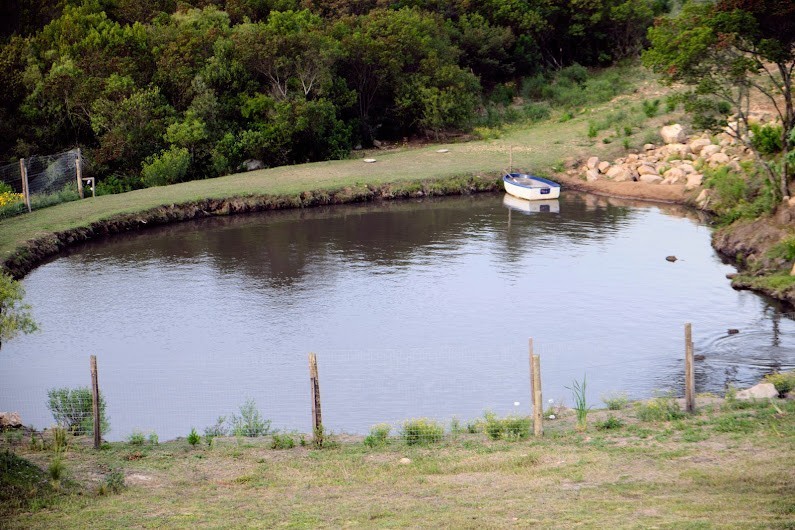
(511, 427)
(250, 422)
(533, 87)
(282, 441)
(662, 408)
(72, 409)
(193, 437)
(592, 130)
(59, 440)
(136, 438)
(767, 138)
(616, 401)
(169, 167)
(783, 381)
(114, 482)
(379, 435)
(536, 111)
(153, 438)
(784, 249)
(219, 429)
(57, 469)
(651, 108)
(610, 423)
(422, 431)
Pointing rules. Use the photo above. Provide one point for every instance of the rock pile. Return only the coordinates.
(680, 160)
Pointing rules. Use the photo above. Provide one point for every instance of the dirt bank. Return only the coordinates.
(674, 193)
(748, 244)
(32, 253)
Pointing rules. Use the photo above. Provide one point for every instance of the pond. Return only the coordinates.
(414, 309)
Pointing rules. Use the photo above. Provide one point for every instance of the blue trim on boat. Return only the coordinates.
(541, 180)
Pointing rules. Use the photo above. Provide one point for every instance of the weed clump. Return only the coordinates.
(422, 431)
(379, 435)
(510, 428)
(609, 424)
(615, 401)
(282, 441)
(662, 408)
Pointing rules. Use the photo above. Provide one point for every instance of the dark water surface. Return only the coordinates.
(419, 308)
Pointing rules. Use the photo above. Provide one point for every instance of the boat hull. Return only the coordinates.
(530, 188)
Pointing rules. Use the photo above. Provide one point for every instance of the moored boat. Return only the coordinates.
(530, 187)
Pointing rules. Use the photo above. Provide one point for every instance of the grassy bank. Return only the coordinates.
(728, 466)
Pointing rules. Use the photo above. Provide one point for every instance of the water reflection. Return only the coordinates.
(414, 308)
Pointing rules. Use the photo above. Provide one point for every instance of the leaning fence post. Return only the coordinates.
(535, 388)
(317, 419)
(23, 173)
(79, 173)
(690, 378)
(95, 401)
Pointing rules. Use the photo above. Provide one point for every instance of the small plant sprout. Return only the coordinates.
(580, 406)
(193, 437)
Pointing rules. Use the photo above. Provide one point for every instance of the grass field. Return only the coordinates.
(536, 147)
(728, 466)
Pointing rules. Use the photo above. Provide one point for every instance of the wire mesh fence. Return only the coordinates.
(40, 181)
(415, 396)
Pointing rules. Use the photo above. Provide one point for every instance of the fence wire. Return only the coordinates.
(52, 179)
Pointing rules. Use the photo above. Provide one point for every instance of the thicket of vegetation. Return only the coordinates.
(164, 91)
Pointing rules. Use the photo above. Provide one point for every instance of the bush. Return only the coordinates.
(379, 435)
(169, 167)
(767, 138)
(651, 108)
(616, 401)
(57, 469)
(536, 111)
(72, 409)
(662, 408)
(737, 196)
(219, 429)
(114, 482)
(511, 427)
(136, 438)
(422, 431)
(193, 437)
(610, 423)
(282, 441)
(250, 422)
(783, 381)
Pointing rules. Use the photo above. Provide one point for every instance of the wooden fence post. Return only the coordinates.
(317, 419)
(95, 402)
(79, 172)
(690, 377)
(23, 173)
(535, 384)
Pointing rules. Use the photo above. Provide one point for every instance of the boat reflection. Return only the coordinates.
(528, 207)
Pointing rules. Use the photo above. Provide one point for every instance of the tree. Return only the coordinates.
(15, 316)
(727, 50)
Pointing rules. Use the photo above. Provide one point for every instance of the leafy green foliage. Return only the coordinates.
(378, 436)
(615, 401)
(511, 427)
(783, 381)
(193, 437)
(738, 196)
(72, 409)
(15, 317)
(282, 441)
(250, 422)
(137, 83)
(661, 408)
(610, 423)
(767, 138)
(422, 432)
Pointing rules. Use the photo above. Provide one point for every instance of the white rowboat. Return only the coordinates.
(530, 187)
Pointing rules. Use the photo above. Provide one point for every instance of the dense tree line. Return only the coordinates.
(162, 91)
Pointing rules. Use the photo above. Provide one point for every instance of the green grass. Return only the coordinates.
(708, 470)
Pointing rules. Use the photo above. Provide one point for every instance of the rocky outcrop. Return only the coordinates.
(679, 161)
